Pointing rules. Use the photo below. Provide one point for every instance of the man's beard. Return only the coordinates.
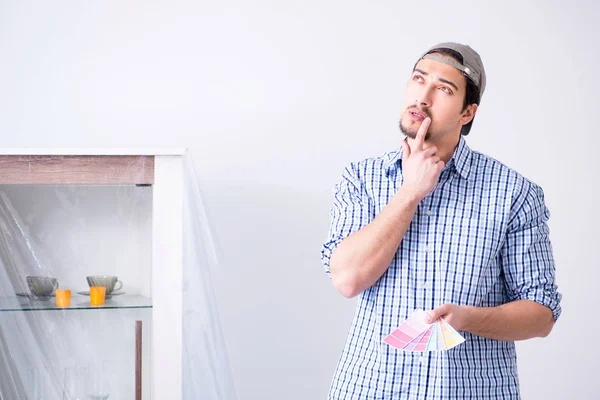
(412, 133)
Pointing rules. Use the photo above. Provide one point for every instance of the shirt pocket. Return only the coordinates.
(468, 259)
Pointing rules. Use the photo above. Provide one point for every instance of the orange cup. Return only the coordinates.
(97, 294)
(63, 298)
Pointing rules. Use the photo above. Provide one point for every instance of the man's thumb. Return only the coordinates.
(430, 317)
(434, 314)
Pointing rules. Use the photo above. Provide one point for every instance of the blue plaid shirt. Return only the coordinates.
(479, 238)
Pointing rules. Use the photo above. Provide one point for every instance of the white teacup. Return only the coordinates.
(109, 282)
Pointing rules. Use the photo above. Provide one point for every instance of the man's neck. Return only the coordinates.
(445, 148)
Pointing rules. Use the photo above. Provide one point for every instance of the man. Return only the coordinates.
(437, 226)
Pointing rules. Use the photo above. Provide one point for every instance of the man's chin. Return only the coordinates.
(411, 132)
(408, 132)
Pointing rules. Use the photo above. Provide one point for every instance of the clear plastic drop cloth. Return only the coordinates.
(206, 370)
(65, 237)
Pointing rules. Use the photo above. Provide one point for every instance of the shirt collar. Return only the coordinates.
(460, 161)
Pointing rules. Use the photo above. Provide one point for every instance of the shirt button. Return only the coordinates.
(421, 359)
(425, 286)
(429, 213)
(428, 249)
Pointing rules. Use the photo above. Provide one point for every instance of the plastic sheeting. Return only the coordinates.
(206, 370)
(69, 232)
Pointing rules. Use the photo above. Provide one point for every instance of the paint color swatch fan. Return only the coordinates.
(415, 334)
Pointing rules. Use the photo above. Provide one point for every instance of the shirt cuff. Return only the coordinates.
(545, 298)
(326, 252)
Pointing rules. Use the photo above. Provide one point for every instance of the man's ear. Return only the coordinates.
(468, 115)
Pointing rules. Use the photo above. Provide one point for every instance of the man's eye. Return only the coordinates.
(418, 78)
(446, 89)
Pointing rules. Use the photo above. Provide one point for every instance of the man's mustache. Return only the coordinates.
(424, 110)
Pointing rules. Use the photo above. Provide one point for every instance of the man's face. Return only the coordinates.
(435, 90)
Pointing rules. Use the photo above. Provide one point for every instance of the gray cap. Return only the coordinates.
(471, 67)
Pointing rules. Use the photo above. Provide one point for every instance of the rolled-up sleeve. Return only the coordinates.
(352, 209)
(527, 259)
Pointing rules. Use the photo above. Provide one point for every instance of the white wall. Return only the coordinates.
(274, 98)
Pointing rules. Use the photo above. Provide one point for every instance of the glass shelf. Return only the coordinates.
(78, 302)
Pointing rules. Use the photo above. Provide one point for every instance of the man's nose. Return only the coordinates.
(424, 98)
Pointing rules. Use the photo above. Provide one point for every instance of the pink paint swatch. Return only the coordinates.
(410, 329)
(422, 345)
(411, 346)
(416, 335)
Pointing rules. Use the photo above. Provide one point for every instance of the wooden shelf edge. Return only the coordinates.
(76, 170)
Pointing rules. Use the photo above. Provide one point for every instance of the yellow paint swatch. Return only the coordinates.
(449, 339)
